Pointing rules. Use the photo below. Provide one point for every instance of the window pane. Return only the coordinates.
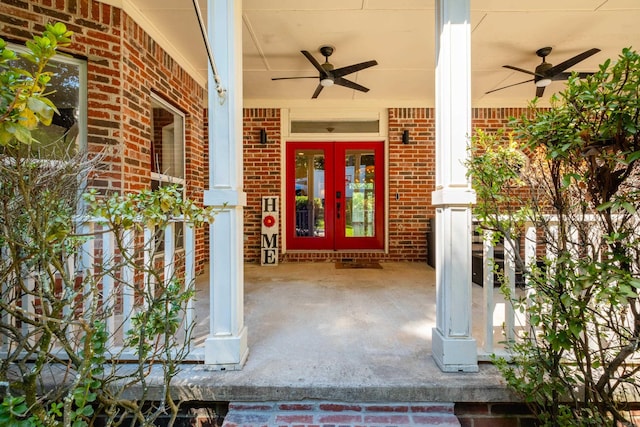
(167, 146)
(68, 80)
(308, 126)
(310, 185)
(360, 193)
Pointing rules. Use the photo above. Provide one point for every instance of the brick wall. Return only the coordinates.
(124, 65)
(262, 173)
(147, 69)
(411, 181)
(411, 171)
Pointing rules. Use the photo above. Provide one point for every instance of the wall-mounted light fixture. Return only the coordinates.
(263, 136)
(405, 137)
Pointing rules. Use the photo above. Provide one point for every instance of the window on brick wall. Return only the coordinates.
(167, 154)
(68, 91)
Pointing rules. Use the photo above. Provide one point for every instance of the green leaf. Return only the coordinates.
(576, 329)
(628, 207)
(604, 206)
(633, 157)
(634, 282)
(22, 134)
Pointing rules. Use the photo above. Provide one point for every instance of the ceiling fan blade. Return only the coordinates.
(566, 75)
(351, 85)
(504, 87)
(571, 62)
(291, 78)
(540, 91)
(314, 62)
(317, 92)
(353, 68)
(522, 70)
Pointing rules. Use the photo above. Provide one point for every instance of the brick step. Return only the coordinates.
(334, 414)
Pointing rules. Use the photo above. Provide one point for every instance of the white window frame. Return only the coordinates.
(177, 150)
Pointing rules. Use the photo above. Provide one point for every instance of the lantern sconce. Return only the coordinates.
(263, 136)
(405, 137)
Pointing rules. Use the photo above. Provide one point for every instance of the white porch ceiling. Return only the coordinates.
(399, 34)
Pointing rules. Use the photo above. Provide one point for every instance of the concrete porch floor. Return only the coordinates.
(317, 332)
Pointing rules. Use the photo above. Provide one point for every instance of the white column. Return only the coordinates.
(226, 346)
(453, 347)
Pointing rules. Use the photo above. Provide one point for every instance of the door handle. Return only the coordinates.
(338, 210)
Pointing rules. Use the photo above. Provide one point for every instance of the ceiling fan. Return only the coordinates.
(545, 72)
(328, 75)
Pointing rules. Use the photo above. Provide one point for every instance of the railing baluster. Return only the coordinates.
(169, 252)
(87, 265)
(530, 258)
(4, 288)
(28, 307)
(487, 290)
(128, 292)
(149, 280)
(109, 297)
(510, 274)
(189, 269)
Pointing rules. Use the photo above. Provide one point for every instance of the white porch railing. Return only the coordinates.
(121, 286)
(501, 323)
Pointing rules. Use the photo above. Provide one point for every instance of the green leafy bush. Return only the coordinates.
(575, 364)
(60, 366)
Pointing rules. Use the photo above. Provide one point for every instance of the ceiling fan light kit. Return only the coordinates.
(543, 82)
(326, 82)
(545, 73)
(328, 75)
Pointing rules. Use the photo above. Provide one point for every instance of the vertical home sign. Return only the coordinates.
(269, 235)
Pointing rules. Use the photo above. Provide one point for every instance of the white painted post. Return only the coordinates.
(453, 347)
(226, 346)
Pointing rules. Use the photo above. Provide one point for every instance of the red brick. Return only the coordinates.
(387, 408)
(442, 409)
(335, 407)
(296, 406)
(341, 418)
(435, 420)
(291, 419)
(387, 419)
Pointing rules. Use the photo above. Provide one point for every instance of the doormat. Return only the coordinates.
(360, 263)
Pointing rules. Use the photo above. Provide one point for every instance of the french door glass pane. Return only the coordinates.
(360, 193)
(310, 188)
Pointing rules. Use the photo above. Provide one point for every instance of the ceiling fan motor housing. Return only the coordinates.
(541, 70)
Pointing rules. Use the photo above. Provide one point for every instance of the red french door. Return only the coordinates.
(335, 195)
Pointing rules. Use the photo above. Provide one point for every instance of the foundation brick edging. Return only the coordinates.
(332, 414)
